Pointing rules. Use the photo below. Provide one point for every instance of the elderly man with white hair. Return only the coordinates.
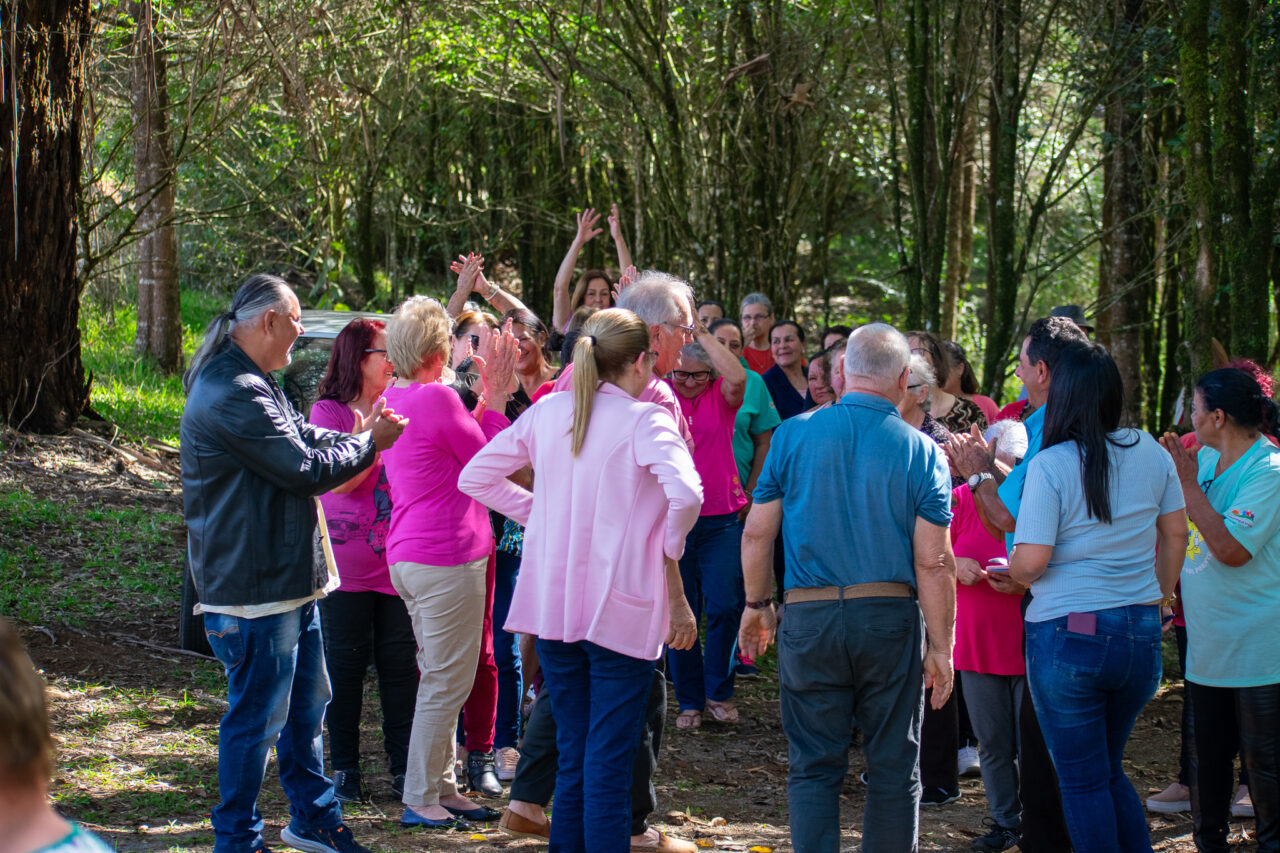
(864, 502)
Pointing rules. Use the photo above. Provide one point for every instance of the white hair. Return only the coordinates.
(656, 297)
(876, 351)
(920, 373)
(1012, 435)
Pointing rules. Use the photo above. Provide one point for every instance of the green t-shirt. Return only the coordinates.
(756, 415)
(1231, 636)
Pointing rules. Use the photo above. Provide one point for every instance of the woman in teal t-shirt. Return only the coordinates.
(1231, 593)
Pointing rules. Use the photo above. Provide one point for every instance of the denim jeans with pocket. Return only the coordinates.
(1088, 690)
(277, 687)
(599, 700)
(711, 570)
(837, 661)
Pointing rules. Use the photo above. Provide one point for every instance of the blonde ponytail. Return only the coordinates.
(611, 341)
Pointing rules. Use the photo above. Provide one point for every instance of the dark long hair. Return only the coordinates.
(932, 344)
(968, 383)
(343, 378)
(1239, 394)
(1086, 400)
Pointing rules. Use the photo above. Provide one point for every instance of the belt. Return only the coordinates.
(879, 589)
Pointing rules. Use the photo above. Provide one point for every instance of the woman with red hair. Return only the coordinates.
(365, 616)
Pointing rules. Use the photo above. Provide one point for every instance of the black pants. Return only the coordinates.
(1188, 717)
(357, 625)
(1224, 718)
(535, 780)
(939, 741)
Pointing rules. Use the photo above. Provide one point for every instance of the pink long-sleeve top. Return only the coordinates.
(598, 525)
(431, 521)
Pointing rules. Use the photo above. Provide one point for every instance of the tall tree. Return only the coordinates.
(42, 382)
(159, 315)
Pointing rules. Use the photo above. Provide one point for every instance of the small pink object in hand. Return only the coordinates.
(998, 564)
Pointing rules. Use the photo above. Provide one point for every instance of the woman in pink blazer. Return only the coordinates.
(599, 585)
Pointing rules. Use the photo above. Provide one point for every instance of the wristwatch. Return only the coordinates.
(759, 605)
(977, 480)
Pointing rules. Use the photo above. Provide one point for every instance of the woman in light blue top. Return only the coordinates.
(1097, 500)
(1231, 594)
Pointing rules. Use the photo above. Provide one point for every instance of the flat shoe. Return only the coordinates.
(410, 819)
(480, 813)
(722, 712)
(688, 719)
(521, 827)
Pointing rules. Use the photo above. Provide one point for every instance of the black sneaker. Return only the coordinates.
(346, 786)
(997, 840)
(482, 774)
(397, 785)
(936, 796)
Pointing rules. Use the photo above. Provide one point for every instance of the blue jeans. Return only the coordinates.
(838, 660)
(277, 687)
(1088, 691)
(506, 654)
(711, 570)
(599, 698)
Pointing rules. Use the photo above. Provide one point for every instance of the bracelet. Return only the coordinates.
(489, 296)
(1169, 600)
(759, 605)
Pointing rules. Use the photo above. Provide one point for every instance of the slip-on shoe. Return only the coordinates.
(479, 813)
(410, 818)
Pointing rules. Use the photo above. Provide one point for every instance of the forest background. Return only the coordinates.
(958, 165)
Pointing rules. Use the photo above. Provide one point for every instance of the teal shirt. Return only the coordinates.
(1010, 490)
(1231, 635)
(756, 415)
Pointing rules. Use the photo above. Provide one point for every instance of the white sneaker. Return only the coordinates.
(967, 761)
(1242, 803)
(1173, 799)
(507, 759)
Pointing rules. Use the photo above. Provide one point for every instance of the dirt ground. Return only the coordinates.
(137, 720)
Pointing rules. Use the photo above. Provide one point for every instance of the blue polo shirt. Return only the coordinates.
(1010, 490)
(852, 479)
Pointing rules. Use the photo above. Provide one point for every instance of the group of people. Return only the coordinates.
(480, 504)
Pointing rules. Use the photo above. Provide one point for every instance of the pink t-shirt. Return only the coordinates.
(988, 623)
(988, 406)
(656, 391)
(360, 519)
(431, 521)
(710, 420)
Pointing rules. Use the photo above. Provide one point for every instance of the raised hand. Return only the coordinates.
(969, 452)
(625, 280)
(1183, 462)
(615, 223)
(587, 229)
(469, 268)
(497, 361)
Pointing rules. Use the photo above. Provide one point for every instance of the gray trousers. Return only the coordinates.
(839, 660)
(993, 702)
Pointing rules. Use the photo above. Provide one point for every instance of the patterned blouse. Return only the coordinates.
(964, 414)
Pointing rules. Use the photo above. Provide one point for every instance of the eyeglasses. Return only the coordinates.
(917, 385)
(690, 329)
(919, 351)
(695, 375)
(384, 352)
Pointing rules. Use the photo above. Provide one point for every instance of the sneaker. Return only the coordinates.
(336, 840)
(1242, 803)
(482, 774)
(998, 838)
(397, 785)
(346, 786)
(746, 668)
(936, 796)
(507, 759)
(1173, 799)
(967, 761)
(862, 777)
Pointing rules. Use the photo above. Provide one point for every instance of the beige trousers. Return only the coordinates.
(446, 604)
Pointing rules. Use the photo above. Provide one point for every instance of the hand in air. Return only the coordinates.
(587, 229)
(624, 281)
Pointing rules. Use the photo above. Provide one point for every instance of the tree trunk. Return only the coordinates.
(42, 383)
(159, 332)
(959, 223)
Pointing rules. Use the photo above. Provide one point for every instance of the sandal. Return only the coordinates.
(688, 719)
(722, 712)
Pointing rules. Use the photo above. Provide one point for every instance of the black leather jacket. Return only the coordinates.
(250, 467)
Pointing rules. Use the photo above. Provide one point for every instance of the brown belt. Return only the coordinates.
(882, 589)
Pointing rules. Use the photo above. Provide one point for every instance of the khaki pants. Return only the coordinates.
(446, 604)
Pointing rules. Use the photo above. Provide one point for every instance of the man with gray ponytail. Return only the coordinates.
(250, 468)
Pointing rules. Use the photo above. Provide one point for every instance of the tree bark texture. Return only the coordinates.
(42, 382)
(960, 201)
(159, 332)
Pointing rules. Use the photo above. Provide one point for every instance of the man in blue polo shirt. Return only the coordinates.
(864, 503)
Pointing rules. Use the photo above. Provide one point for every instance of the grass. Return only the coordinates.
(130, 390)
(65, 562)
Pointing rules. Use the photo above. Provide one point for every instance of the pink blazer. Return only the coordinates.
(598, 525)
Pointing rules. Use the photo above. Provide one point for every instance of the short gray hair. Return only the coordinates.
(876, 351)
(656, 297)
(695, 352)
(756, 299)
(922, 374)
(1012, 436)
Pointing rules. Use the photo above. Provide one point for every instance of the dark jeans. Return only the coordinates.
(840, 660)
(358, 625)
(277, 690)
(939, 742)
(1044, 828)
(599, 698)
(711, 570)
(1089, 690)
(1227, 717)
(535, 780)
(506, 654)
